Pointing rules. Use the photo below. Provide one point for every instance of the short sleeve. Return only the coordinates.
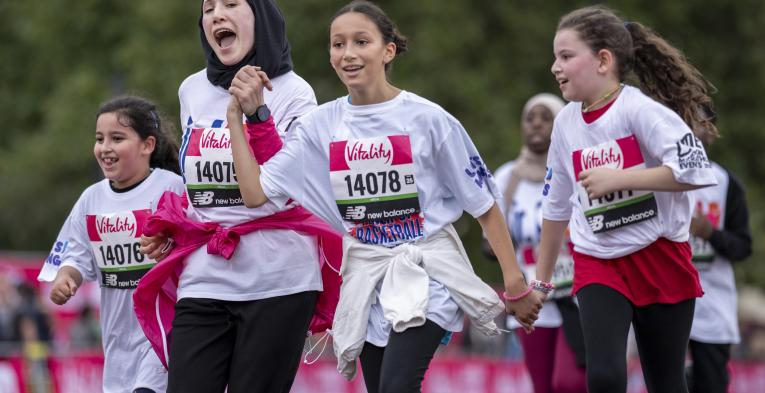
(464, 172)
(78, 253)
(670, 141)
(559, 186)
(282, 177)
(54, 258)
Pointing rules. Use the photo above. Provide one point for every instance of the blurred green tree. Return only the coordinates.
(479, 61)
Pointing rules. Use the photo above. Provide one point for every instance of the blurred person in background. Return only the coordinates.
(85, 332)
(31, 319)
(720, 237)
(554, 352)
(9, 303)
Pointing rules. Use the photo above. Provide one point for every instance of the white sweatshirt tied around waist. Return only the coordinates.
(405, 271)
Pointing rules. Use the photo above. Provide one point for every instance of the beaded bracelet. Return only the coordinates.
(517, 297)
(542, 286)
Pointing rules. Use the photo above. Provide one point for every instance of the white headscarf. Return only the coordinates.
(529, 165)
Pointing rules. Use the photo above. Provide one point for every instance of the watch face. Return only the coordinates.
(263, 113)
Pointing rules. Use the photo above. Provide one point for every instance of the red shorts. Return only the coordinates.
(659, 273)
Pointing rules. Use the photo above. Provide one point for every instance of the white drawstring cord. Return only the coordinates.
(325, 339)
(326, 260)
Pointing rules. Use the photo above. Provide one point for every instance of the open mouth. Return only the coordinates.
(352, 68)
(224, 37)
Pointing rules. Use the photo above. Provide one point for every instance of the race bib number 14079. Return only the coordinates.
(209, 169)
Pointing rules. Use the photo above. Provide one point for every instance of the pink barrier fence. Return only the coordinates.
(82, 374)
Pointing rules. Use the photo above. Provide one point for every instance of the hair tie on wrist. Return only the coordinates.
(517, 297)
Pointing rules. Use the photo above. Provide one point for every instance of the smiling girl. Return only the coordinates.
(392, 171)
(620, 166)
(139, 161)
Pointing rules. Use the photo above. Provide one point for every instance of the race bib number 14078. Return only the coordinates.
(373, 181)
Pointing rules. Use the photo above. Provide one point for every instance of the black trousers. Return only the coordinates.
(400, 366)
(709, 371)
(661, 331)
(250, 346)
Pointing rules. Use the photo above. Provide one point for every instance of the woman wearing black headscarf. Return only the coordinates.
(240, 322)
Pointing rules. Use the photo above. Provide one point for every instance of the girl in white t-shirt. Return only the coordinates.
(554, 352)
(620, 166)
(101, 236)
(392, 171)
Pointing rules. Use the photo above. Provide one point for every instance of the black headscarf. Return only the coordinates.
(272, 51)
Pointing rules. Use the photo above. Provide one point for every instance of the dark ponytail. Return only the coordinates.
(384, 23)
(663, 71)
(667, 76)
(142, 116)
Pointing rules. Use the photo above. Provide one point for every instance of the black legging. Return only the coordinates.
(661, 331)
(401, 365)
(709, 372)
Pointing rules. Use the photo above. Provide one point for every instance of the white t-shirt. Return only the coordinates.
(525, 223)
(405, 161)
(716, 318)
(102, 235)
(266, 263)
(635, 132)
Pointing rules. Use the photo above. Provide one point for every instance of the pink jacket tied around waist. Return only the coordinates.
(155, 297)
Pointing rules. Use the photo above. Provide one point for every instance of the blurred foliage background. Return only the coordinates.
(480, 60)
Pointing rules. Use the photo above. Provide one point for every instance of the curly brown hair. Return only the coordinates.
(663, 71)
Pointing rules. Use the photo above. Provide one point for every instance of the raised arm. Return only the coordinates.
(246, 97)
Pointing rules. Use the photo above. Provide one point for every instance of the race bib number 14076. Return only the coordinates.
(114, 239)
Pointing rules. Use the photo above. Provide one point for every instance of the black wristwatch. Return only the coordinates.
(261, 114)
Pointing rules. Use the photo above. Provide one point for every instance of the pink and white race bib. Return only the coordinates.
(620, 208)
(375, 189)
(209, 169)
(703, 252)
(114, 239)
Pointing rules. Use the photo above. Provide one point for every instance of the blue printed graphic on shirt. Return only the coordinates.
(477, 171)
(548, 180)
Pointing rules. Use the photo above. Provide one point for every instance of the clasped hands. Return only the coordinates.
(247, 91)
